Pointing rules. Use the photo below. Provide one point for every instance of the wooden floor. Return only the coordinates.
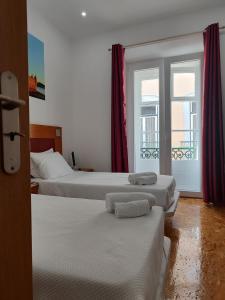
(197, 261)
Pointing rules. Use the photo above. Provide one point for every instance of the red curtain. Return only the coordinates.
(118, 112)
(213, 145)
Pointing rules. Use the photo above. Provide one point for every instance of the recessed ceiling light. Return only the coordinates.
(84, 14)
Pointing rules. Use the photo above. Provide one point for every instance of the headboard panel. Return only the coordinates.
(44, 137)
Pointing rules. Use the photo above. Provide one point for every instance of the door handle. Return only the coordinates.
(10, 103)
(10, 106)
(12, 135)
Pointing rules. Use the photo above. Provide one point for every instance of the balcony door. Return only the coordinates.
(166, 119)
(147, 117)
(185, 98)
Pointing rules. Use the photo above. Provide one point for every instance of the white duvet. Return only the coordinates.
(81, 252)
(94, 185)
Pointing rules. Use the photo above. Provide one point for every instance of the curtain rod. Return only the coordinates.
(170, 38)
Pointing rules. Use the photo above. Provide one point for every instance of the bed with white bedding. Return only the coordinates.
(94, 185)
(82, 252)
(60, 180)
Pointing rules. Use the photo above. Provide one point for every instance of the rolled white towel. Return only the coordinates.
(132, 209)
(112, 198)
(145, 180)
(134, 178)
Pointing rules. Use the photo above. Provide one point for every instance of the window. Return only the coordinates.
(146, 88)
(185, 123)
(167, 118)
(184, 79)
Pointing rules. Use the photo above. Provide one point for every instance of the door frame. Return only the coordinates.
(131, 131)
(167, 62)
(165, 110)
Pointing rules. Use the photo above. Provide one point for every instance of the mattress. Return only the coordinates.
(94, 185)
(82, 252)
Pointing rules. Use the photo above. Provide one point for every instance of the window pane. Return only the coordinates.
(150, 89)
(183, 85)
(150, 132)
(184, 124)
(150, 85)
(184, 78)
(184, 139)
(146, 91)
(182, 114)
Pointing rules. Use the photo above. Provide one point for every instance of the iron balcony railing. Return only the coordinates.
(177, 153)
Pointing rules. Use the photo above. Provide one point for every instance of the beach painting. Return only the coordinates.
(36, 78)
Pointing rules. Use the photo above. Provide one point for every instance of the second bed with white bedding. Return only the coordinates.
(95, 185)
(82, 252)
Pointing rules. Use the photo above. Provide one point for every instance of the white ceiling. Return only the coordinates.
(106, 15)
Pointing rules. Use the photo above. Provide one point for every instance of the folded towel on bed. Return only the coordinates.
(143, 178)
(146, 180)
(112, 198)
(132, 209)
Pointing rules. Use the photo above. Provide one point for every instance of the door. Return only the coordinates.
(185, 132)
(166, 99)
(145, 81)
(15, 203)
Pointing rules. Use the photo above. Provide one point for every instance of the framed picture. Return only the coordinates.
(36, 78)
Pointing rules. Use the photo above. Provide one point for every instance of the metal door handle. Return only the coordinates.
(12, 135)
(9, 108)
(10, 103)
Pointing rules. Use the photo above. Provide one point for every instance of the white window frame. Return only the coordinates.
(132, 135)
(164, 109)
(169, 96)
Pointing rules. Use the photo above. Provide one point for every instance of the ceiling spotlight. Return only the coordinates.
(83, 14)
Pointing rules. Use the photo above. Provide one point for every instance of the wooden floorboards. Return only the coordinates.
(197, 261)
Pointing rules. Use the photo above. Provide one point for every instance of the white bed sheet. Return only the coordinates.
(81, 252)
(94, 185)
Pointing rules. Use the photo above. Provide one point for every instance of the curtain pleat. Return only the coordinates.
(212, 141)
(119, 152)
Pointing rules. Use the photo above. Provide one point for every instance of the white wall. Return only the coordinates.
(92, 80)
(56, 110)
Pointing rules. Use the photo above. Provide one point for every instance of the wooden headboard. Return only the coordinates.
(44, 137)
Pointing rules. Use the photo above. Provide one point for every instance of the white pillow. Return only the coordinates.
(33, 168)
(52, 165)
